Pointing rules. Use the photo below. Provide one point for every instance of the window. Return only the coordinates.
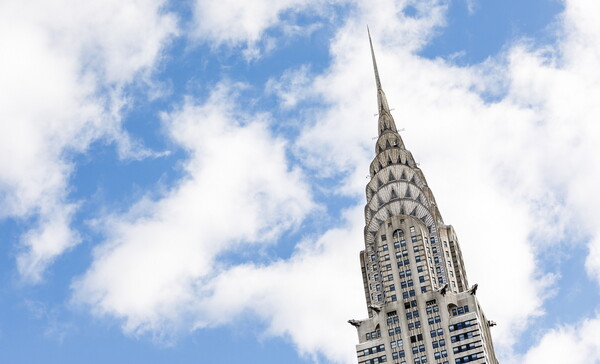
(423, 289)
(421, 279)
(392, 287)
(430, 320)
(378, 287)
(386, 257)
(385, 247)
(462, 325)
(373, 257)
(410, 282)
(390, 277)
(397, 233)
(420, 269)
(403, 284)
(409, 315)
(418, 258)
(394, 298)
(404, 295)
(376, 276)
(413, 238)
(408, 272)
(421, 348)
(433, 333)
(412, 229)
(416, 248)
(383, 238)
(411, 293)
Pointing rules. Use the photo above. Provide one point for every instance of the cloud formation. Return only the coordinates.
(153, 268)
(577, 344)
(234, 21)
(63, 67)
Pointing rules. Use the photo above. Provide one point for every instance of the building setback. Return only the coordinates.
(421, 307)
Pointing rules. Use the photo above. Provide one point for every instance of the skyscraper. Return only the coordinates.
(421, 307)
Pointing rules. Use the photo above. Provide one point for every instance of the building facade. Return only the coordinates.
(421, 307)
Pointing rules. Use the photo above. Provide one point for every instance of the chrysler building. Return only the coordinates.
(421, 307)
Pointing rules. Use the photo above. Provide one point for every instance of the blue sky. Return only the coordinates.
(183, 182)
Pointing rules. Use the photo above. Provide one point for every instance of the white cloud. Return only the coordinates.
(62, 66)
(244, 23)
(568, 344)
(307, 298)
(291, 88)
(154, 266)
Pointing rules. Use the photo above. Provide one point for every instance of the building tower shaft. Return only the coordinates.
(421, 309)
